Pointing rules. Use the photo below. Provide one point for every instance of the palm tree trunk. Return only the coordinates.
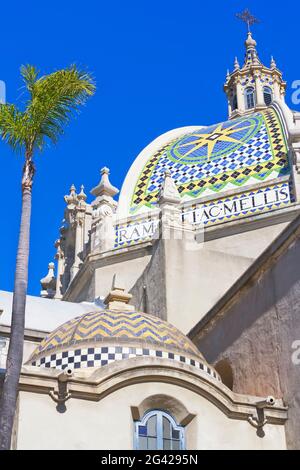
(15, 351)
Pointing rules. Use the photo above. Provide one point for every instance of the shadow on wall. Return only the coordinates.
(264, 295)
(225, 370)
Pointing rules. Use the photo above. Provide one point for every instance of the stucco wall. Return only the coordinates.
(96, 280)
(108, 424)
(197, 278)
(149, 292)
(29, 347)
(129, 271)
(256, 335)
(184, 279)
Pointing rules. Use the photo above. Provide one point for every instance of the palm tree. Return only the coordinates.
(52, 101)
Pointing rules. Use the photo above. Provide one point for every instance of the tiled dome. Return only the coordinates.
(102, 337)
(208, 160)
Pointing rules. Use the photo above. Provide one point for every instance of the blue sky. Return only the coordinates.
(158, 65)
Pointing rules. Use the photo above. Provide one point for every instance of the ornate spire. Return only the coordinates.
(72, 197)
(273, 63)
(251, 53)
(104, 208)
(104, 188)
(82, 196)
(253, 86)
(48, 283)
(236, 64)
(251, 57)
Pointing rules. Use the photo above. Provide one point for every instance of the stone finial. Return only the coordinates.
(169, 193)
(104, 207)
(82, 196)
(118, 299)
(104, 188)
(48, 283)
(250, 42)
(273, 63)
(227, 76)
(72, 197)
(236, 64)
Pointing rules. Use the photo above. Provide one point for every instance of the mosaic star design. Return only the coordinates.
(211, 139)
(115, 326)
(217, 158)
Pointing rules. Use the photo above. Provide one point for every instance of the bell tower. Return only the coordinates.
(253, 86)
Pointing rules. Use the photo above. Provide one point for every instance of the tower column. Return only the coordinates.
(60, 270)
(104, 208)
(240, 96)
(277, 94)
(78, 246)
(78, 222)
(260, 102)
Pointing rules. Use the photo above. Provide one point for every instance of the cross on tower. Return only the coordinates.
(247, 18)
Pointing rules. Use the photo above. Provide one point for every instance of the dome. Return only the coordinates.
(250, 42)
(99, 338)
(207, 161)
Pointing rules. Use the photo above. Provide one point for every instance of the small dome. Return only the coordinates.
(250, 42)
(100, 338)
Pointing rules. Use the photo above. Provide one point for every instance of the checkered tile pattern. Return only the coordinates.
(99, 357)
(261, 154)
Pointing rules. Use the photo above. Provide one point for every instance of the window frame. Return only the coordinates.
(160, 414)
(250, 91)
(269, 92)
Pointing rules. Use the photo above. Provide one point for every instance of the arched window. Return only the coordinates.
(268, 96)
(250, 98)
(158, 431)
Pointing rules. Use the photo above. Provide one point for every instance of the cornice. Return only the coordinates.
(95, 386)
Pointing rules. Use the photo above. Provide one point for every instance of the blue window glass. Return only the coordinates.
(158, 431)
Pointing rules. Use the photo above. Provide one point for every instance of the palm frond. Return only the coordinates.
(55, 98)
(29, 74)
(14, 126)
